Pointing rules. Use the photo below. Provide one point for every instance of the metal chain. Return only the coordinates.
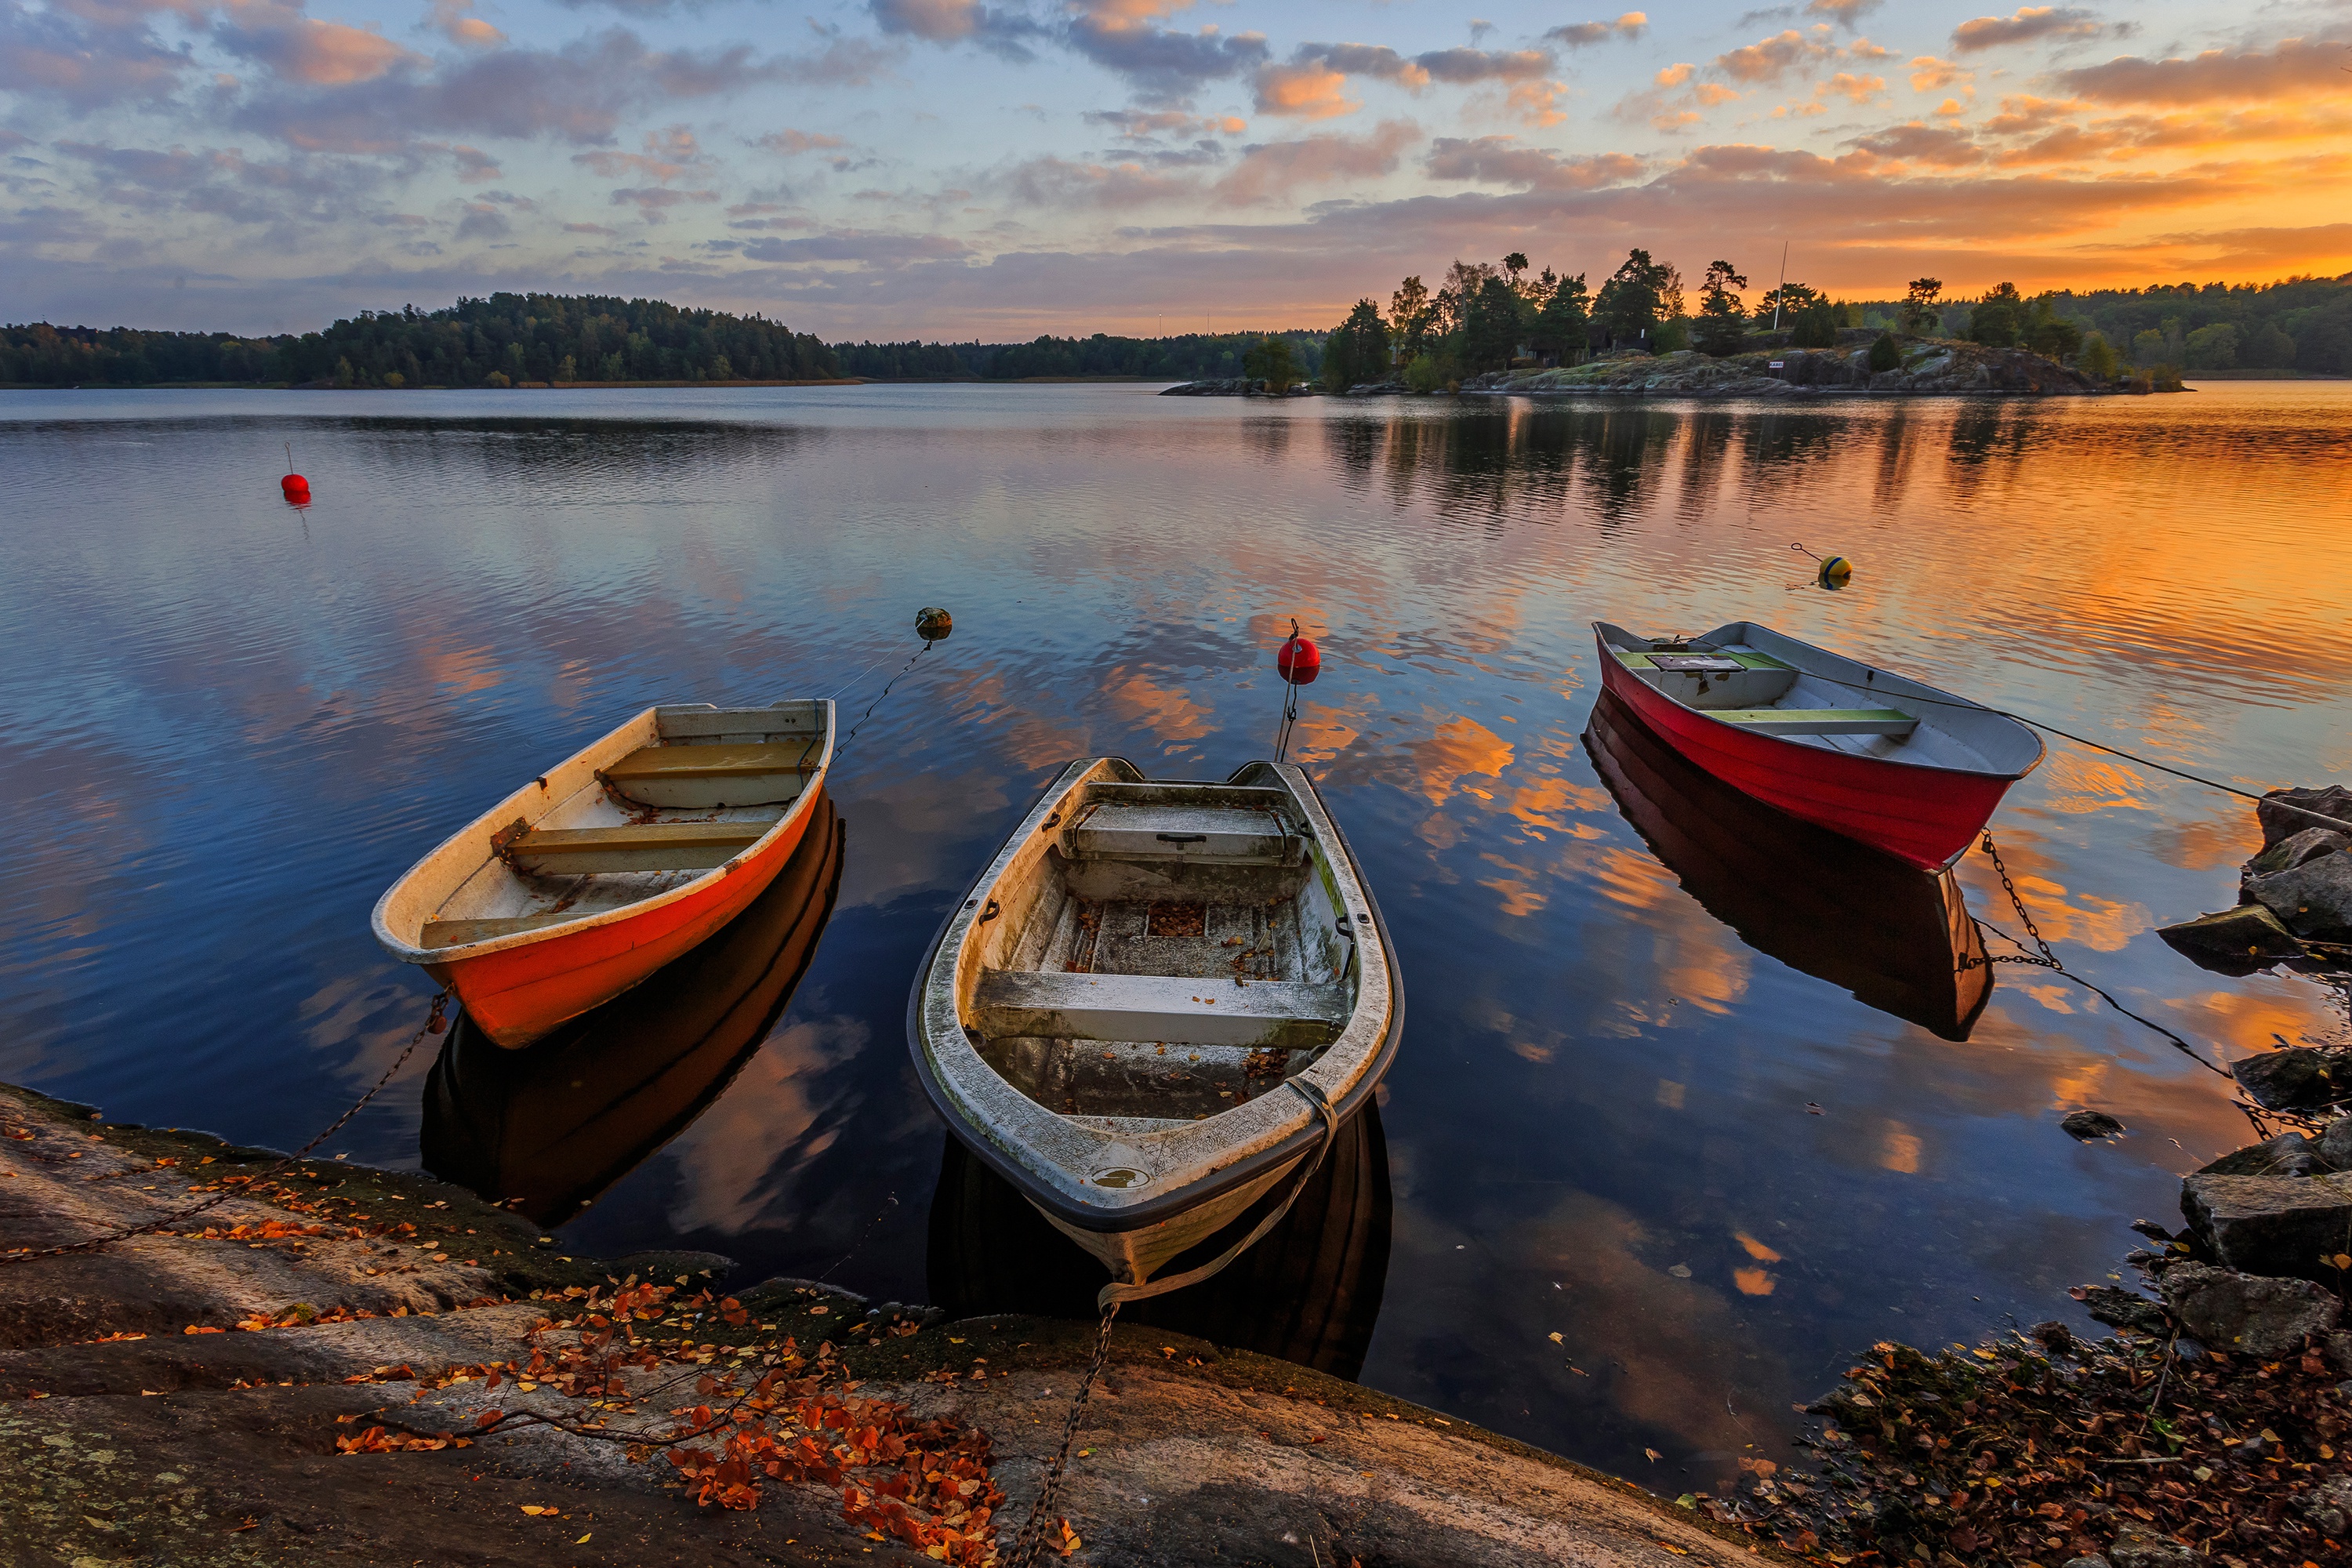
(433, 1024)
(1033, 1533)
(2017, 902)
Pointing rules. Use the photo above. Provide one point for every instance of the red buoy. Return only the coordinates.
(1298, 659)
(296, 487)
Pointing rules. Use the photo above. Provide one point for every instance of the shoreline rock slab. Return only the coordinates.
(217, 1446)
(1928, 367)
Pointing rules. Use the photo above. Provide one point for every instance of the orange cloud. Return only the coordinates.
(1303, 92)
(329, 54)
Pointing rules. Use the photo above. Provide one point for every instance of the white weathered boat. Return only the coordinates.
(1156, 1008)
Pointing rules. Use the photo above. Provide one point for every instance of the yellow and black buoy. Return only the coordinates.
(933, 624)
(1831, 571)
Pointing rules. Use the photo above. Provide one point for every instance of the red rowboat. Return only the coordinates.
(621, 859)
(1882, 760)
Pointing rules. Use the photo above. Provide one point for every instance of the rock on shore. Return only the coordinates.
(181, 1397)
(1927, 367)
(1235, 386)
(2295, 893)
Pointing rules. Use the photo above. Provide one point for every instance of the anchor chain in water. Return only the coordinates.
(2049, 961)
(433, 1024)
(1033, 1533)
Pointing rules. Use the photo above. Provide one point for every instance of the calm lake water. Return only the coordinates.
(1714, 1175)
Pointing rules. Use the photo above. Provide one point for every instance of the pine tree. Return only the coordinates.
(1722, 318)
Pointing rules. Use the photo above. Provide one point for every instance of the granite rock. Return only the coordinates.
(2244, 1314)
(2278, 1226)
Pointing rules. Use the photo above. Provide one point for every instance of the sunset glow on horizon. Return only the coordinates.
(951, 169)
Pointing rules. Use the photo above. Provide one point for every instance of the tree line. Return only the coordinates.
(503, 341)
(1481, 316)
(1487, 316)
(1189, 356)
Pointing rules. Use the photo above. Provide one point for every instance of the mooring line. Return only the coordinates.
(2049, 960)
(433, 1024)
(1033, 1531)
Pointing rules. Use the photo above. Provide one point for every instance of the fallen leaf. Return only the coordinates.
(534, 1509)
(1654, 1455)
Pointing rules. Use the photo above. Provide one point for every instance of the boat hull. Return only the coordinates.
(1925, 816)
(1898, 938)
(517, 995)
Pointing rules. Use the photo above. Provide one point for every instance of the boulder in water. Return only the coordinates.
(2288, 1154)
(2235, 941)
(2312, 899)
(2287, 811)
(2298, 1077)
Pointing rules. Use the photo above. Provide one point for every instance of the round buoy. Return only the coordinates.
(1298, 659)
(296, 488)
(1836, 572)
(933, 624)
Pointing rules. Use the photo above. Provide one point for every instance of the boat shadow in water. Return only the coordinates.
(545, 1129)
(1899, 938)
(1309, 1292)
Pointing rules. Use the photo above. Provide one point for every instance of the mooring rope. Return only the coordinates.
(433, 1024)
(1116, 1295)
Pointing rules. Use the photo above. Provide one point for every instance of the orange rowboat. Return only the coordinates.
(619, 859)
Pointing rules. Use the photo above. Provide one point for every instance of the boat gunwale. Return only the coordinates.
(1187, 1196)
(410, 953)
(1610, 665)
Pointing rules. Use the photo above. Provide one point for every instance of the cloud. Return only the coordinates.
(1939, 146)
(1006, 33)
(1585, 35)
(1273, 169)
(1052, 182)
(667, 155)
(1465, 66)
(653, 201)
(577, 94)
(2298, 67)
(1151, 125)
(1159, 62)
(483, 221)
(1769, 60)
(1846, 12)
(791, 142)
(452, 18)
(1303, 92)
(86, 64)
(1928, 74)
(2029, 23)
(1852, 88)
(1503, 161)
(305, 49)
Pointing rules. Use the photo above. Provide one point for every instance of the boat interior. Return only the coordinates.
(709, 783)
(1730, 678)
(1177, 951)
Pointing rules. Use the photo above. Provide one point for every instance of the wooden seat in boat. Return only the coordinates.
(1818, 721)
(1037, 1003)
(1185, 832)
(653, 847)
(458, 933)
(740, 773)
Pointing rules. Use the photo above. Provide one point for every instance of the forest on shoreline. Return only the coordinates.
(1481, 316)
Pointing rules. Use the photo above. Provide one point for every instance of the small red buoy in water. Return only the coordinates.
(1298, 659)
(296, 488)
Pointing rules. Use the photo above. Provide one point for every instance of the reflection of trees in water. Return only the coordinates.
(1354, 445)
(1707, 449)
(568, 447)
(1268, 437)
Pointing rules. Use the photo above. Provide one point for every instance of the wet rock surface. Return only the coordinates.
(2090, 1125)
(2235, 941)
(2295, 1078)
(2295, 893)
(339, 1302)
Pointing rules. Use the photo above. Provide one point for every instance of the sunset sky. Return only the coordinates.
(959, 169)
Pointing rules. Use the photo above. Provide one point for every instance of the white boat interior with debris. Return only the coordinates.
(1157, 1007)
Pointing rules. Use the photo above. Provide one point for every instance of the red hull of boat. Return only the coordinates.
(1925, 816)
(518, 993)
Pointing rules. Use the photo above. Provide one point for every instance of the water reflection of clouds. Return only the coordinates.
(1602, 1080)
